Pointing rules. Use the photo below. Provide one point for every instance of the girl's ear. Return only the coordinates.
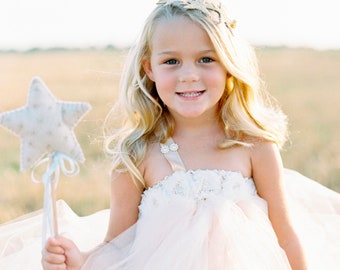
(148, 70)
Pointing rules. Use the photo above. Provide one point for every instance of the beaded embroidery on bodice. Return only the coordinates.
(196, 185)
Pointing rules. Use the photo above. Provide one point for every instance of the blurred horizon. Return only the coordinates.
(111, 47)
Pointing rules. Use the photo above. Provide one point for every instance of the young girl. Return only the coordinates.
(197, 178)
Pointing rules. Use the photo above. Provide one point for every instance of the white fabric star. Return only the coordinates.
(45, 125)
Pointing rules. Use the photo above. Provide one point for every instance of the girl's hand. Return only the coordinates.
(61, 253)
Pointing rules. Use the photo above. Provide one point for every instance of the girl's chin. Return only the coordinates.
(190, 114)
(193, 112)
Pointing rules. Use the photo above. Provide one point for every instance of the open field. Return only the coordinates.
(305, 82)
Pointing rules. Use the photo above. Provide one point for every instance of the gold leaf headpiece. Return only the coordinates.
(211, 8)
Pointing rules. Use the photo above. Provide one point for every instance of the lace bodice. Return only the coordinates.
(198, 185)
(194, 185)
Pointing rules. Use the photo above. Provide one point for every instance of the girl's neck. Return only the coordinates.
(197, 129)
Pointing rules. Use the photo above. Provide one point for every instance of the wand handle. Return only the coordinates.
(54, 209)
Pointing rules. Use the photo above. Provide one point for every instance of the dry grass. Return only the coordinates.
(307, 85)
(305, 82)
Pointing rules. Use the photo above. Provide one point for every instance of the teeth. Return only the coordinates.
(191, 94)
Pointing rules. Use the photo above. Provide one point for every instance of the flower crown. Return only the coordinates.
(211, 8)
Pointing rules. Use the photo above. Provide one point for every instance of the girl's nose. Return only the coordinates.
(189, 74)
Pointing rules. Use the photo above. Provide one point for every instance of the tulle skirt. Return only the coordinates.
(212, 235)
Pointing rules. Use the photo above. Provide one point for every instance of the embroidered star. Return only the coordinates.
(45, 125)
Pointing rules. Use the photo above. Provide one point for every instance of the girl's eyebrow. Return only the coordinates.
(166, 52)
(199, 52)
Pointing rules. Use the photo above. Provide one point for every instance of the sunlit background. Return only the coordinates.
(83, 23)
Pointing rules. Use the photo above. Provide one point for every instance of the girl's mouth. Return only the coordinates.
(190, 94)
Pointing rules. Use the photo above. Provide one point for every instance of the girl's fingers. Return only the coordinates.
(61, 253)
(54, 246)
(53, 258)
(48, 266)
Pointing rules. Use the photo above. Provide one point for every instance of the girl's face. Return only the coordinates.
(184, 65)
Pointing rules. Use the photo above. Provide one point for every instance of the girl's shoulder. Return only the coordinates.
(257, 143)
(261, 150)
(260, 147)
(265, 160)
(154, 166)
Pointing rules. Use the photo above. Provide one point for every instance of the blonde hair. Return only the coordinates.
(139, 117)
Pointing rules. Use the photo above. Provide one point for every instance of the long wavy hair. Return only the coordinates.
(139, 117)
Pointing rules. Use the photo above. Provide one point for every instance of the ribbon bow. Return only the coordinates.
(56, 162)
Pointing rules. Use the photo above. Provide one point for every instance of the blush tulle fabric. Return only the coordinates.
(192, 220)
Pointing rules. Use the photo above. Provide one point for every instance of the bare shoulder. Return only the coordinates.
(123, 183)
(264, 149)
(266, 167)
(262, 152)
(154, 167)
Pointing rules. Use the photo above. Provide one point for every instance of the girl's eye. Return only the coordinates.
(206, 60)
(171, 62)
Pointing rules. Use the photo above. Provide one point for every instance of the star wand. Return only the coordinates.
(45, 127)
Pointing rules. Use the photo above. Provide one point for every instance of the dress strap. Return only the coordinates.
(169, 149)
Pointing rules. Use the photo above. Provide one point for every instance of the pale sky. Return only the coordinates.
(81, 23)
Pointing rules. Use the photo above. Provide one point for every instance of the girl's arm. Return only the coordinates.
(125, 199)
(62, 253)
(268, 176)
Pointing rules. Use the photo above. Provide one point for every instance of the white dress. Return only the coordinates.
(193, 220)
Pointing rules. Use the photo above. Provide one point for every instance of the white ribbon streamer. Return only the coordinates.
(56, 162)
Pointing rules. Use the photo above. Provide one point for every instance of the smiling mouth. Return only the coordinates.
(190, 94)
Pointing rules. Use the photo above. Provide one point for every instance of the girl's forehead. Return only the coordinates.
(179, 32)
(180, 20)
(177, 27)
